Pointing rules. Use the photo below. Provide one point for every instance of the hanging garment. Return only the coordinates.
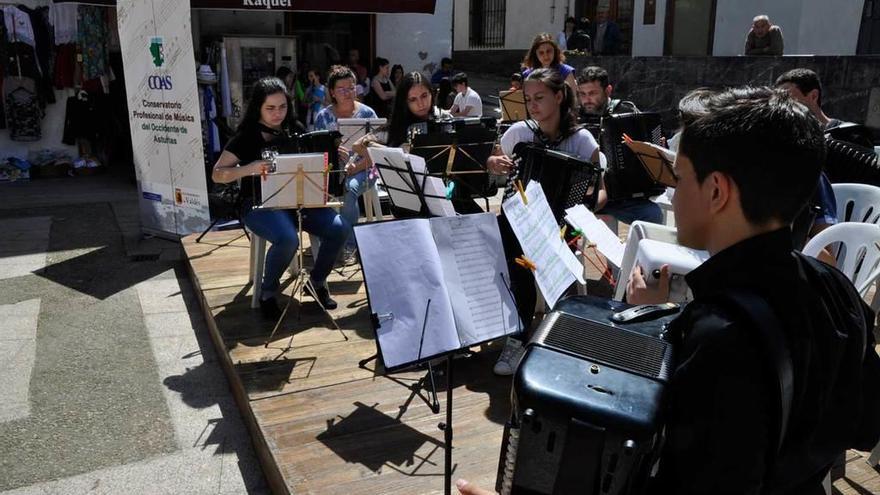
(22, 109)
(92, 41)
(65, 65)
(18, 25)
(43, 49)
(63, 19)
(4, 57)
(79, 119)
(213, 133)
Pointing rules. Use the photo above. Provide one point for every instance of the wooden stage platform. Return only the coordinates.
(322, 424)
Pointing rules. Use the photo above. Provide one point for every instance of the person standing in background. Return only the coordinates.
(396, 75)
(567, 31)
(382, 94)
(606, 35)
(316, 96)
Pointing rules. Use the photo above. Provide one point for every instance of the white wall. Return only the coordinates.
(648, 39)
(809, 27)
(831, 27)
(523, 20)
(416, 41)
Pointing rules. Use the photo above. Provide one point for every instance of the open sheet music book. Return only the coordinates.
(456, 263)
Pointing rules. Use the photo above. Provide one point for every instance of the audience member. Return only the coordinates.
(382, 89)
(516, 81)
(467, 102)
(396, 75)
(605, 34)
(567, 31)
(444, 72)
(316, 96)
(354, 63)
(764, 38)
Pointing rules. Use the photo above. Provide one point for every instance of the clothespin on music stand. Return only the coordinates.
(525, 263)
(449, 189)
(626, 138)
(522, 192)
(562, 232)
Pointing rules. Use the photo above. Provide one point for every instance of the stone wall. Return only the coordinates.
(851, 84)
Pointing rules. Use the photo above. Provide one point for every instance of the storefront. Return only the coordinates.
(65, 106)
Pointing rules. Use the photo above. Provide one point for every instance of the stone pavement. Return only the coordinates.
(108, 379)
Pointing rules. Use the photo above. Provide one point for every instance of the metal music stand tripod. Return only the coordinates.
(297, 181)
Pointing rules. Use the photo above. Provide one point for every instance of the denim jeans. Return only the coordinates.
(355, 186)
(280, 229)
(630, 210)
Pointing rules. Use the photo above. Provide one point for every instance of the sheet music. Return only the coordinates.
(433, 186)
(476, 275)
(536, 229)
(403, 271)
(290, 188)
(596, 231)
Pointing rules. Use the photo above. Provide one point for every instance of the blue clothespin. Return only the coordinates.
(449, 188)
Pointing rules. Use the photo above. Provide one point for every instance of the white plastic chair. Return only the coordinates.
(637, 231)
(858, 254)
(857, 202)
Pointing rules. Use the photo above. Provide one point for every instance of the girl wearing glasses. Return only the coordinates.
(342, 84)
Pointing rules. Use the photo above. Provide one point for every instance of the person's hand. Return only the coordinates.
(258, 167)
(499, 164)
(467, 488)
(350, 168)
(638, 291)
(344, 154)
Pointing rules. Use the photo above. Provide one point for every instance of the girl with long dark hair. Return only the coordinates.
(396, 75)
(550, 102)
(546, 54)
(268, 121)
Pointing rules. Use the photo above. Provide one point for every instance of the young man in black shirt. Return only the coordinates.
(743, 171)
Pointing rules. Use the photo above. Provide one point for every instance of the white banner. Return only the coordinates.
(163, 105)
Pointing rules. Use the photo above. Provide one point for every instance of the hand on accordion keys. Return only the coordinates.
(639, 291)
(499, 164)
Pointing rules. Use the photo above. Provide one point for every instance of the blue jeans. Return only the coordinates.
(280, 229)
(355, 186)
(630, 210)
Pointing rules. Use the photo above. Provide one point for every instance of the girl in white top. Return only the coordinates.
(549, 101)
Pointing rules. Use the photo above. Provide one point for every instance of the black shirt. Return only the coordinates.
(721, 428)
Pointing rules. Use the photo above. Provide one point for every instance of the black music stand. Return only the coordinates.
(459, 156)
(401, 182)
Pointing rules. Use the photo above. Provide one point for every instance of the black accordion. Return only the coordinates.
(567, 180)
(598, 429)
(457, 150)
(849, 162)
(626, 177)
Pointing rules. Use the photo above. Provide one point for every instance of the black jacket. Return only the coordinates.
(722, 426)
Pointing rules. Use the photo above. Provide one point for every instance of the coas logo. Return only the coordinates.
(157, 51)
(159, 82)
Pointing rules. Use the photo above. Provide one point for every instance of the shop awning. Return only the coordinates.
(351, 6)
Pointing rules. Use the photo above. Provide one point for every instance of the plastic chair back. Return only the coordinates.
(857, 202)
(858, 251)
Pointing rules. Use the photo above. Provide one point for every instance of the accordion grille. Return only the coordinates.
(630, 351)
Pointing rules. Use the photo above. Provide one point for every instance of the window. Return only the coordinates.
(487, 23)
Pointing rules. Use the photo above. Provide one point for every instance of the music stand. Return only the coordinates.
(410, 187)
(459, 156)
(298, 181)
(513, 105)
(419, 320)
(354, 129)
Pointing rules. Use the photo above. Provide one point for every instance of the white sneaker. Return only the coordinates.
(509, 359)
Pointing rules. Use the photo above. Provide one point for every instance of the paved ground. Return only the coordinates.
(108, 379)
